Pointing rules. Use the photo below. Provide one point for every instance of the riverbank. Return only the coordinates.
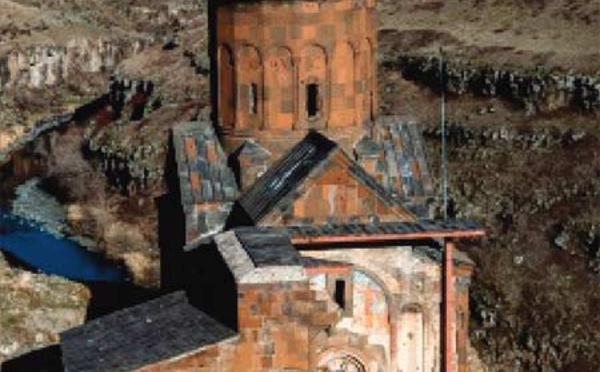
(33, 204)
(35, 308)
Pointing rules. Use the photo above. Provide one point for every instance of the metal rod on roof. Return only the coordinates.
(444, 138)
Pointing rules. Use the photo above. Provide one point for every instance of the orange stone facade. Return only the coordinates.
(387, 321)
(285, 67)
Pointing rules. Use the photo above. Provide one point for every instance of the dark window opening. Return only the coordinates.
(312, 100)
(253, 99)
(340, 293)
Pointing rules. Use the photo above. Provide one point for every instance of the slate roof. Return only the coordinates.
(286, 175)
(208, 186)
(202, 165)
(129, 339)
(268, 247)
(382, 228)
(405, 157)
(401, 161)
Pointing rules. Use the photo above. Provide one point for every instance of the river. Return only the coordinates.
(29, 242)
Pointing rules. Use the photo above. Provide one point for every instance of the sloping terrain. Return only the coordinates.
(520, 33)
(526, 169)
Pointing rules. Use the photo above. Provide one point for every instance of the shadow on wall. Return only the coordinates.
(210, 284)
(171, 226)
(202, 273)
(109, 297)
(48, 359)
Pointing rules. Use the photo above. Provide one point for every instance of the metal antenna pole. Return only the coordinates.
(444, 138)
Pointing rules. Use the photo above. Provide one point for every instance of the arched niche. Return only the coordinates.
(313, 90)
(226, 84)
(249, 83)
(371, 305)
(364, 98)
(411, 339)
(342, 86)
(279, 91)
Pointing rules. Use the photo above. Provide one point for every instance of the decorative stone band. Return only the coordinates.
(245, 271)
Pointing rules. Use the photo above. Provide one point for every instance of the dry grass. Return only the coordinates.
(559, 33)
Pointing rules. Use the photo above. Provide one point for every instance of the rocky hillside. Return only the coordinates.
(57, 55)
(523, 162)
(523, 84)
(35, 308)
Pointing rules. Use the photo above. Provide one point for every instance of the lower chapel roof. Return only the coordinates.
(144, 334)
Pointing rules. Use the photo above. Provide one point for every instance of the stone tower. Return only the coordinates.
(286, 66)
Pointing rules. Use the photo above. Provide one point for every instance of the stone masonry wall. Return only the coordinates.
(276, 322)
(268, 53)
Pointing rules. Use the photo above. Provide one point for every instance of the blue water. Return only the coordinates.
(51, 255)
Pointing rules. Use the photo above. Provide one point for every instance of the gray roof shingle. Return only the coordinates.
(144, 334)
(268, 247)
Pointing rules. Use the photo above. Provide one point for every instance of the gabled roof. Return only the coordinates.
(254, 150)
(281, 183)
(286, 175)
(144, 334)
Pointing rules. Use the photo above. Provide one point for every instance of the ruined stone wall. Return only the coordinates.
(271, 54)
(386, 319)
(410, 285)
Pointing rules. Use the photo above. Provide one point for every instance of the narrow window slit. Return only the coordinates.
(340, 293)
(312, 100)
(253, 99)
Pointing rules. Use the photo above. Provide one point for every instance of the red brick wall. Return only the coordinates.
(282, 46)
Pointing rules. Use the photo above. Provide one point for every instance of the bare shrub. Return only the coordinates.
(72, 176)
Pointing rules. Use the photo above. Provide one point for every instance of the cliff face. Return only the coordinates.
(44, 66)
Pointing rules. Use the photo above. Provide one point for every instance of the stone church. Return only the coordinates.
(303, 242)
